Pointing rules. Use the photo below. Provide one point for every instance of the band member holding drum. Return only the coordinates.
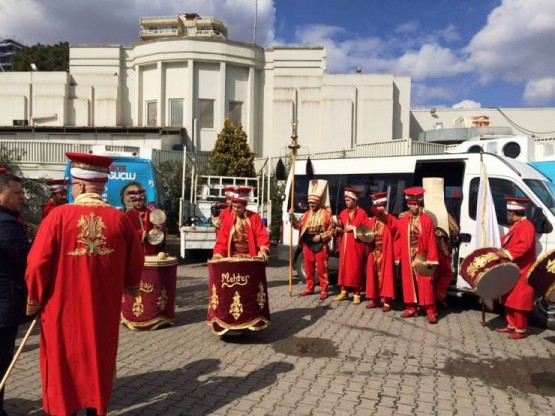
(58, 193)
(351, 251)
(380, 273)
(519, 246)
(83, 257)
(414, 241)
(315, 232)
(238, 297)
(140, 217)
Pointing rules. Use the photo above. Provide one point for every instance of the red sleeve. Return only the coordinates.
(521, 240)
(133, 215)
(429, 240)
(222, 239)
(135, 256)
(261, 233)
(41, 263)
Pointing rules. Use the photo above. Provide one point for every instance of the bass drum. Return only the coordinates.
(489, 275)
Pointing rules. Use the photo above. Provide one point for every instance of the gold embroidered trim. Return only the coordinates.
(91, 236)
(261, 296)
(162, 299)
(156, 322)
(248, 325)
(214, 299)
(236, 307)
(138, 307)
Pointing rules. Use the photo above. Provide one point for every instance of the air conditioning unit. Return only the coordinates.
(20, 123)
(521, 148)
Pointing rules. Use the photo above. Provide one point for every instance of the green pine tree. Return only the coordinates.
(231, 155)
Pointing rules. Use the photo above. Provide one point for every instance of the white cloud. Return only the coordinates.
(117, 21)
(430, 61)
(467, 104)
(539, 91)
(516, 43)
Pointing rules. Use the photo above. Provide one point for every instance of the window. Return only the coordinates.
(500, 188)
(206, 113)
(151, 113)
(235, 112)
(176, 112)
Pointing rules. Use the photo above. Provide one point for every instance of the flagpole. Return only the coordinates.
(293, 146)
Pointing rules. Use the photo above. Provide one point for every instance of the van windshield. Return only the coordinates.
(544, 190)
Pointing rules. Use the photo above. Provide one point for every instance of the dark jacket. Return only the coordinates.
(14, 247)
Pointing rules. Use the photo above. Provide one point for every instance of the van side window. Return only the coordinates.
(500, 188)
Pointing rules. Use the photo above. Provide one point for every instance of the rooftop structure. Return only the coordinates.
(8, 48)
(185, 25)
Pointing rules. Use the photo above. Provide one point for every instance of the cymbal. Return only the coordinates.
(365, 234)
(157, 216)
(421, 265)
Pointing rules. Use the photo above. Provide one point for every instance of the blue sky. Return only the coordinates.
(471, 53)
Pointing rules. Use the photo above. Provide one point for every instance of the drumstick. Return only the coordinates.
(483, 312)
(17, 354)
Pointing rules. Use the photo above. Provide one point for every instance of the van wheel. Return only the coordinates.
(299, 266)
(543, 314)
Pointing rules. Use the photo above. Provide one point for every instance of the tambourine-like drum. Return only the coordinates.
(237, 294)
(157, 216)
(155, 305)
(155, 236)
(489, 275)
(541, 276)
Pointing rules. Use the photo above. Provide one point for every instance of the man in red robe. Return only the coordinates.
(315, 233)
(519, 246)
(351, 251)
(140, 218)
(58, 193)
(84, 256)
(416, 236)
(242, 234)
(380, 273)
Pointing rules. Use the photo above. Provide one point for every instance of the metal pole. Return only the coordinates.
(294, 146)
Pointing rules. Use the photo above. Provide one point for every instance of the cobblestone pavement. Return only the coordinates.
(318, 358)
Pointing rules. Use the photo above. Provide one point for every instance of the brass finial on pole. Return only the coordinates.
(293, 146)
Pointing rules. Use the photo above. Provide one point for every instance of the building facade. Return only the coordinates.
(8, 48)
(185, 74)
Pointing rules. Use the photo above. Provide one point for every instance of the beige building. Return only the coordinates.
(185, 76)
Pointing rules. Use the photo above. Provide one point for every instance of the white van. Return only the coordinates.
(461, 173)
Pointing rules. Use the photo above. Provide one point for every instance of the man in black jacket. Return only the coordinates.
(14, 246)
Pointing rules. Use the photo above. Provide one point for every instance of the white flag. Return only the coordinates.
(487, 228)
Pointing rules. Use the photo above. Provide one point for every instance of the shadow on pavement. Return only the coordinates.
(23, 407)
(197, 388)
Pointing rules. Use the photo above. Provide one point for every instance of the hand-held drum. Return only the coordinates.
(155, 305)
(541, 276)
(237, 294)
(488, 274)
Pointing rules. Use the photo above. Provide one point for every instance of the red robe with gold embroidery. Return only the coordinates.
(520, 244)
(416, 288)
(380, 274)
(141, 223)
(83, 256)
(351, 251)
(257, 235)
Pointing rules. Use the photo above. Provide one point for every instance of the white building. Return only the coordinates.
(180, 85)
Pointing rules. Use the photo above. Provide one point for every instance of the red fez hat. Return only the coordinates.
(57, 186)
(136, 194)
(351, 192)
(379, 198)
(241, 194)
(414, 194)
(516, 204)
(92, 168)
(3, 170)
(229, 190)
